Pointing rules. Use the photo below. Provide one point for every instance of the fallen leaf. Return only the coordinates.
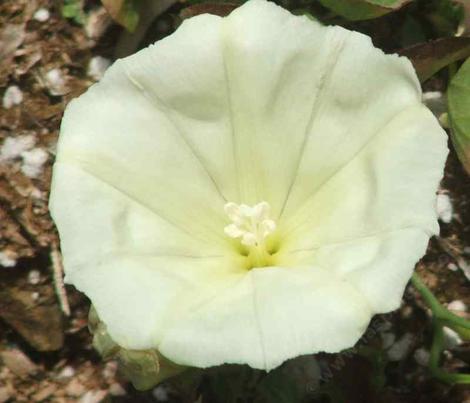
(430, 57)
(18, 362)
(220, 9)
(124, 12)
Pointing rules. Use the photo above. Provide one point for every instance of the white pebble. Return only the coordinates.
(465, 266)
(67, 372)
(33, 162)
(36, 193)
(12, 96)
(55, 82)
(34, 277)
(7, 259)
(42, 15)
(13, 147)
(452, 267)
(444, 208)
(457, 305)
(400, 349)
(421, 356)
(160, 393)
(35, 296)
(93, 396)
(97, 66)
(451, 338)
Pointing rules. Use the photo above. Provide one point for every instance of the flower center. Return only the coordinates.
(252, 225)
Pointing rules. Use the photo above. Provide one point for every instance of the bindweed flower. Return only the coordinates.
(248, 189)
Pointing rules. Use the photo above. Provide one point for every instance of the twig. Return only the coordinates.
(58, 273)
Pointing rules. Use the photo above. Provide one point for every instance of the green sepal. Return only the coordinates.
(144, 368)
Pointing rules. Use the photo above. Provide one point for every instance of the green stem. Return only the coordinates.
(441, 317)
(434, 359)
(439, 311)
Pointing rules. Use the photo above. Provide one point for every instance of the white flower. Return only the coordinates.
(317, 125)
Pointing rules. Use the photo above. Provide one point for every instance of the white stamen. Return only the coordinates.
(251, 224)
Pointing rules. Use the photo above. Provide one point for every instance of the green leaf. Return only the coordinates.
(445, 16)
(72, 9)
(458, 99)
(430, 57)
(124, 12)
(363, 9)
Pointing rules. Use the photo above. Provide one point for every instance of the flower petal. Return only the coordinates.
(272, 314)
(362, 93)
(378, 266)
(119, 134)
(138, 297)
(389, 184)
(113, 222)
(276, 65)
(373, 218)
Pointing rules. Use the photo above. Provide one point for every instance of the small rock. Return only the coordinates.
(13, 147)
(36, 193)
(33, 162)
(387, 339)
(465, 266)
(444, 208)
(384, 326)
(160, 393)
(18, 362)
(55, 82)
(116, 389)
(451, 338)
(5, 394)
(97, 66)
(400, 349)
(35, 296)
(457, 305)
(421, 356)
(12, 96)
(67, 372)
(93, 396)
(41, 15)
(406, 312)
(44, 393)
(452, 267)
(7, 259)
(34, 277)
(75, 388)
